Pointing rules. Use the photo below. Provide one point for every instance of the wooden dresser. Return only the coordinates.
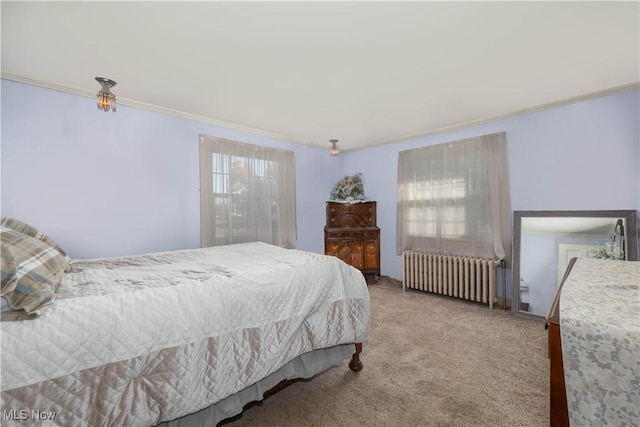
(351, 234)
(558, 411)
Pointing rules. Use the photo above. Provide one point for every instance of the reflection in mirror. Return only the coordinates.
(545, 242)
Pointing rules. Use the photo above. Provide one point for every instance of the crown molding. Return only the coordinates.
(182, 114)
(158, 109)
(592, 95)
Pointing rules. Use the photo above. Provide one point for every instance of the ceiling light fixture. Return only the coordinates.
(334, 147)
(106, 100)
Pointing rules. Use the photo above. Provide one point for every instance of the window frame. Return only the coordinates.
(215, 232)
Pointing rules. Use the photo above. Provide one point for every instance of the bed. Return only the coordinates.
(175, 338)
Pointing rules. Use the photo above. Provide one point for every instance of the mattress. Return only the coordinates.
(139, 340)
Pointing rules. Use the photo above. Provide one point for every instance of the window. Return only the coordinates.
(454, 198)
(427, 219)
(247, 193)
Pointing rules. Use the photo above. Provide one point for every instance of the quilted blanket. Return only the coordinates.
(134, 341)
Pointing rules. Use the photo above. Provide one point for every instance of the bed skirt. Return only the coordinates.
(304, 366)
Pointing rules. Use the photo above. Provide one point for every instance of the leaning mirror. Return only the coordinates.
(545, 242)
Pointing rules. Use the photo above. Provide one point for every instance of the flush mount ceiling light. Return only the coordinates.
(106, 100)
(334, 147)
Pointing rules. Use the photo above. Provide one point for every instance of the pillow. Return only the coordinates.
(31, 231)
(3, 305)
(31, 273)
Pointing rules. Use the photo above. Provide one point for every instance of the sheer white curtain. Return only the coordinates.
(247, 193)
(454, 198)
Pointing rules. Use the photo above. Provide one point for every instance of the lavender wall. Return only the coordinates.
(105, 184)
(579, 156)
(113, 184)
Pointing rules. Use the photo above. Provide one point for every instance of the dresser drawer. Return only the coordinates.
(348, 235)
(351, 215)
(332, 247)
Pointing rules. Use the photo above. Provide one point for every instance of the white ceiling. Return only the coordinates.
(362, 72)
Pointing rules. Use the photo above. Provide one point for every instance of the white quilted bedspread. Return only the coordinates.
(143, 339)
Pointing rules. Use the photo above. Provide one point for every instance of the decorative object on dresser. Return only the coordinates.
(351, 234)
(349, 188)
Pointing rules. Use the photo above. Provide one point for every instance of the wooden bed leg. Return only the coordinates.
(356, 365)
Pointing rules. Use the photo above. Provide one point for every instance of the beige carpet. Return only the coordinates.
(430, 361)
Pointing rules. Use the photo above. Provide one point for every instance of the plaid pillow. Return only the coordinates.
(31, 273)
(30, 230)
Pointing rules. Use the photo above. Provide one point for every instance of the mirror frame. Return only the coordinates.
(631, 239)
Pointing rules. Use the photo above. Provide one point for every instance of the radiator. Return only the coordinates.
(473, 279)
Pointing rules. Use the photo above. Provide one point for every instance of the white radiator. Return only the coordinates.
(473, 279)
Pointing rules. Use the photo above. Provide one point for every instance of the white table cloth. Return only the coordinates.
(600, 332)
